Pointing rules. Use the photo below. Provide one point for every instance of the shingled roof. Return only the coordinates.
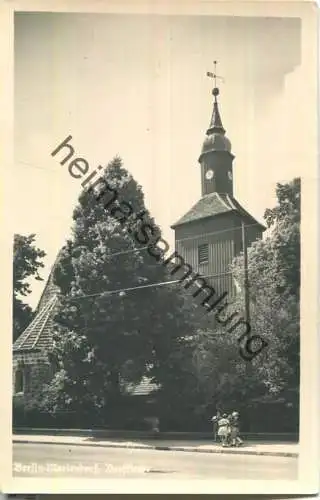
(50, 290)
(38, 335)
(143, 388)
(211, 205)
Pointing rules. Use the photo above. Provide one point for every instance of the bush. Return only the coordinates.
(29, 415)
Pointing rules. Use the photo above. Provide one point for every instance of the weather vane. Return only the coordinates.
(214, 75)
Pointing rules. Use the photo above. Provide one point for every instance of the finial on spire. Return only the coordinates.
(215, 91)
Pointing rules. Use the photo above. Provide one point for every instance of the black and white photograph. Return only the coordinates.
(163, 221)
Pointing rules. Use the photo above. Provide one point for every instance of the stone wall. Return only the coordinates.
(36, 371)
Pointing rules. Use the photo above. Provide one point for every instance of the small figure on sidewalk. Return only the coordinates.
(235, 429)
(155, 425)
(224, 429)
(215, 425)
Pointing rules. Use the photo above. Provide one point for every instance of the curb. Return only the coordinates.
(166, 448)
(127, 434)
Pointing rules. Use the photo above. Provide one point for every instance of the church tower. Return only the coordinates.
(209, 235)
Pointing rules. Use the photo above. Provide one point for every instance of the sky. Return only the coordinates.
(136, 86)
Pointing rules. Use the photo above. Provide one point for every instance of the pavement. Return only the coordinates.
(87, 461)
(252, 448)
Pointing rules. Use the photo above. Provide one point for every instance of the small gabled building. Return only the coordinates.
(31, 367)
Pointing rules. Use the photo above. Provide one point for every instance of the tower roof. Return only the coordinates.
(214, 204)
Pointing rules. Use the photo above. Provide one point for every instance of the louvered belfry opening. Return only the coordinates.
(203, 253)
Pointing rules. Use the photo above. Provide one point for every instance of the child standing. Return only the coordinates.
(224, 429)
(215, 420)
(235, 429)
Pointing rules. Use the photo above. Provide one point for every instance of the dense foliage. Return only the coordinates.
(106, 336)
(27, 260)
(274, 276)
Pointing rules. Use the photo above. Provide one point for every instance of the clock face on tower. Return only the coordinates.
(209, 174)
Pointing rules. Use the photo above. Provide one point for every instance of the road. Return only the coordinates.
(42, 460)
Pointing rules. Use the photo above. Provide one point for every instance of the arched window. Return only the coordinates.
(19, 380)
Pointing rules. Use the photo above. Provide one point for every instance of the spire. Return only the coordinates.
(216, 122)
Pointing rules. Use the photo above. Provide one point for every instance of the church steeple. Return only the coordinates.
(216, 157)
(207, 235)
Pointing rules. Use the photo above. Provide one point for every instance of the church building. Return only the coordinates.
(210, 235)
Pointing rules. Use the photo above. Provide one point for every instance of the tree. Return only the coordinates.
(284, 220)
(26, 264)
(104, 336)
(223, 377)
(274, 278)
